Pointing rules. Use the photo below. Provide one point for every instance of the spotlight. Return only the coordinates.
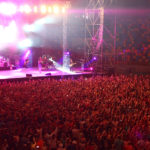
(8, 8)
(50, 9)
(43, 9)
(56, 9)
(94, 58)
(27, 54)
(35, 9)
(27, 9)
(21, 9)
(91, 68)
(63, 10)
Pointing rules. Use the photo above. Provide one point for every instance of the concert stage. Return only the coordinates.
(33, 73)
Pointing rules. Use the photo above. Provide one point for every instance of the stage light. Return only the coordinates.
(43, 9)
(21, 9)
(94, 58)
(35, 9)
(8, 35)
(27, 9)
(56, 9)
(27, 54)
(91, 68)
(50, 9)
(8, 8)
(63, 10)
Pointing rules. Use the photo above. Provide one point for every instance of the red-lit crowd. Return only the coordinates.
(132, 39)
(98, 113)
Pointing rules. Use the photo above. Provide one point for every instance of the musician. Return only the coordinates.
(72, 64)
(40, 64)
(26, 62)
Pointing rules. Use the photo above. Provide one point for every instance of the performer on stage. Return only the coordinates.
(26, 63)
(40, 64)
(71, 65)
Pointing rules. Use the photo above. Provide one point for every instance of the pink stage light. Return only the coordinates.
(94, 58)
(27, 54)
(8, 8)
(91, 68)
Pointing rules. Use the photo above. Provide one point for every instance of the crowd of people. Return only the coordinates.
(132, 38)
(97, 113)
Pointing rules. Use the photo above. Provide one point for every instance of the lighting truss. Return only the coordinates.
(94, 27)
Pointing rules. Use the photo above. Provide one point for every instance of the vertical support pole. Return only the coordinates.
(100, 37)
(101, 28)
(65, 35)
(115, 52)
(65, 20)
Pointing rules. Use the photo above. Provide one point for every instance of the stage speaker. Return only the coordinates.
(48, 74)
(28, 75)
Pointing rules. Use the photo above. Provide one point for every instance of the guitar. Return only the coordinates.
(72, 64)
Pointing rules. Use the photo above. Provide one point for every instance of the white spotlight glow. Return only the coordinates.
(61, 68)
(25, 44)
(63, 10)
(43, 9)
(45, 20)
(50, 9)
(28, 28)
(56, 9)
(25, 8)
(8, 8)
(35, 9)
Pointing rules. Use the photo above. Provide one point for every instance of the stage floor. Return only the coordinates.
(22, 72)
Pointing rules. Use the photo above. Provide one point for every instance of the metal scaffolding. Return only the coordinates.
(65, 40)
(94, 28)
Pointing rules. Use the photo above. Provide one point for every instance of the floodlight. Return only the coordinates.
(25, 8)
(43, 9)
(50, 9)
(63, 10)
(56, 9)
(8, 8)
(35, 9)
(91, 68)
(21, 8)
(27, 54)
